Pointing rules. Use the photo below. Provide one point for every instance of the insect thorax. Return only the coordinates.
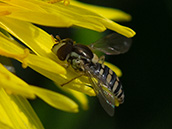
(80, 56)
(78, 61)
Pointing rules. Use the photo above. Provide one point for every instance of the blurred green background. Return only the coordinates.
(146, 73)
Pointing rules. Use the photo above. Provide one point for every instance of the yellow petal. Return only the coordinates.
(56, 100)
(64, 15)
(16, 113)
(12, 49)
(114, 68)
(27, 109)
(82, 98)
(116, 103)
(110, 13)
(35, 38)
(79, 96)
(45, 63)
(3, 13)
(4, 126)
(126, 31)
(14, 85)
(66, 2)
(33, 12)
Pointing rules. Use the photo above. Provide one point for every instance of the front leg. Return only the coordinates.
(73, 79)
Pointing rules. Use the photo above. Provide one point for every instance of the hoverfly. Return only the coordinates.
(104, 81)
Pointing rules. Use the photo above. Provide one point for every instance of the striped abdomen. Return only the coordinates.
(110, 79)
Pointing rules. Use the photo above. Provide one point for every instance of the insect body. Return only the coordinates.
(105, 82)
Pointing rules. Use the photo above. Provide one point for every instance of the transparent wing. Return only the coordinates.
(105, 96)
(112, 44)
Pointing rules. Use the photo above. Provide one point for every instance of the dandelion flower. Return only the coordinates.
(16, 18)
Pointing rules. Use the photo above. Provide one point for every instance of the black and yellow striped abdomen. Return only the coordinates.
(109, 79)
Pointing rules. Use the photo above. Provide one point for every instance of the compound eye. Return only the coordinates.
(83, 51)
(64, 51)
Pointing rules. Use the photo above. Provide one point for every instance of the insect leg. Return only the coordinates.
(58, 38)
(75, 77)
(72, 79)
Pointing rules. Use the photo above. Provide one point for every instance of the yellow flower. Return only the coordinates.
(16, 18)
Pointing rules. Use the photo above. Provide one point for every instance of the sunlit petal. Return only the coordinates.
(16, 113)
(14, 85)
(110, 13)
(35, 38)
(12, 49)
(64, 15)
(79, 96)
(56, 100)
